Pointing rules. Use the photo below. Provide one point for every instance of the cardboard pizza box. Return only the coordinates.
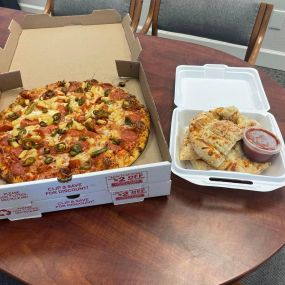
(36, 208)
(101, 45)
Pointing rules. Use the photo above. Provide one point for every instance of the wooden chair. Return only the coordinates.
(77, 7)
(234, 21)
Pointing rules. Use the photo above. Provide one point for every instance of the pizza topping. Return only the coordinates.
(86, 165)
(21, 133)
(75, 149)
(13, 142)
(80, 101)
(99, 151)
(90, 126)
(46, 150)
(115, 141)
(30, 109)
(48, 160)
(65, 174)
(43, 124)
(48, 95)
(26, 122)
(107, 92)
(5, 127)
(118, 94)
(99, 114)
(17, 169)
(13, 116)
(101, 122)
(29, 161)
(28, 144)
(60, 147)
(56, 117)
(74, 163)
(128, 135)
(128, 121)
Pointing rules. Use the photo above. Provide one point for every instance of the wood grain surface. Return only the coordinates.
(197, 236)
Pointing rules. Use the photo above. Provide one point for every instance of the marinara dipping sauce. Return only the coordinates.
(259, 144)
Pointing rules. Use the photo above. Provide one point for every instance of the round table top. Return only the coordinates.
(198, 235)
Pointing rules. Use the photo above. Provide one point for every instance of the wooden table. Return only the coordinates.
(197, 236)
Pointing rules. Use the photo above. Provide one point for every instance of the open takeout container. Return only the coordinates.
(201, 88)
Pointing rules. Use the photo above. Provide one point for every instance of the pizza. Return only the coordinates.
(68, 128)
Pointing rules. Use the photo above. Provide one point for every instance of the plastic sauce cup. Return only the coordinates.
(259, 144)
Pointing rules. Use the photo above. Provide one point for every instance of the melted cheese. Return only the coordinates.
(62, 160)
(28, 153)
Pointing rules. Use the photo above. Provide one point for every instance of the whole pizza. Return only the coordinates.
(68, 128)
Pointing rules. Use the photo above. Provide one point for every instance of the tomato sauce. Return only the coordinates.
(260, 145)
(262, 139)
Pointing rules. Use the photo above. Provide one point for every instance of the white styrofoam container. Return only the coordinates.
(201, 88)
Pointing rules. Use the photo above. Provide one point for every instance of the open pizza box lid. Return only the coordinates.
(202, 88)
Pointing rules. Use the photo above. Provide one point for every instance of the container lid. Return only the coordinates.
(213, 85)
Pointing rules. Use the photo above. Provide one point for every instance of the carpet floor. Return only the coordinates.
(277, 75)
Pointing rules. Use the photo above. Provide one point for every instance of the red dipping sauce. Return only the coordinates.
(260, 145)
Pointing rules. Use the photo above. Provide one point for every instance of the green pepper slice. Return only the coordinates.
(81, 101)
(30, 109)
(29, 161)
(99, 151)
(60, 147)
(48, 160)
(99, 114)
(28, 144)
(75, 149)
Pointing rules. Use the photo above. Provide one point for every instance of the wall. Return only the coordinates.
(273, 48)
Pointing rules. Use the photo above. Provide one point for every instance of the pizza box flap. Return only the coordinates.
(216, 85)
(39, 32)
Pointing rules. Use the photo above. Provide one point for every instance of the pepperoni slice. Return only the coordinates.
(113, 147)
(4, 141)
(16, 150)
(80, 118)
(74, 85)
(128, 135)
(85, 145)
(26, 122)
(17, 169)
(118, 94)
(47, 130)
(61, 109)
(26, 94)
(74, 133)
(106, 86)
(90, 134)
(74, 163)
(135, 117)
(5, 127)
